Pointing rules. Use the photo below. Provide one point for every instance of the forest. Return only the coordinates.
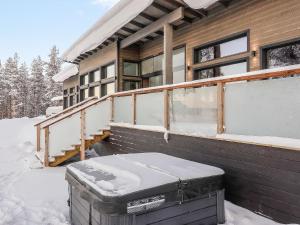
(26, 91)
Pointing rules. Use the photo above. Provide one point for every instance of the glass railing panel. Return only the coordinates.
(123, 112)
(194, 111)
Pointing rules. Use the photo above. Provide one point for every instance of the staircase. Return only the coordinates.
(68, 154)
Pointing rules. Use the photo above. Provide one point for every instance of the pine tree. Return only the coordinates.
(38, 101)
(22, 89)
(2, 95)
(53, 66)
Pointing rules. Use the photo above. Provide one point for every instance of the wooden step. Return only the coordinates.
(68, 154)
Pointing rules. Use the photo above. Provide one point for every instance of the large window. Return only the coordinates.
(282, 55)
(156, 81)
(152, 65)
(108, 71)
(131, 69)
(179, 65)
(107, 89)
(84, 79)
(130, 85)
(226, 47)
(222, 70)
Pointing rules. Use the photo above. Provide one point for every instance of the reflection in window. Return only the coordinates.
(71, 100)
(131, 69)
(107, 89)
(97, 91)
(155, 81)
(158, 62)
(97, 75)
(108, 71)
(91, 92)
(130, 85)
(65, 102)
(283, 56)
(84, 79)
(216, 50)
(178, 65)
(225, 70)
(147, 66)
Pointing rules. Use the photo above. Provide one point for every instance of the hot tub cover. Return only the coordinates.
(121, 175)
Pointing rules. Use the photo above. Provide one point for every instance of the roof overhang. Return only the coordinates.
(67, 72)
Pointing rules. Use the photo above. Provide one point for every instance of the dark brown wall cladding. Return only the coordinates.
(262, 179)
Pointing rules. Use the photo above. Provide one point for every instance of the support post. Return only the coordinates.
(46, 155)
(168, 54)
(38, 138)
(133, 108)
(82, 134)
(220, 105)
(166, 110)
(112, 103)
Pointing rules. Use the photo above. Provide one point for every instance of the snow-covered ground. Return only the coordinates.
(31, 195)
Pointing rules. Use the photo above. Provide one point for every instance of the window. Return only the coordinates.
(232, 46)
(222, 70)
(108, 71)
(152, 65)
(91, 77)
(155, 81)
(72, 90)
(71, 100)
(84, 79)
(107, 89)
(282, 55)
(179, 65)
(84, 94)
(97, 75)
(130, 85)
(65, 102)
(131, 69)
(65, 91)
(97, 91)
(91, 92)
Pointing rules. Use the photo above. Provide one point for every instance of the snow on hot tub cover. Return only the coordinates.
(119, 175)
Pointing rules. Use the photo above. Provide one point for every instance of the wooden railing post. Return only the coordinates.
(112, 100)
(38, 138)
(82, 134)
(46, 155)
(166, 110)
(220, 107)
(133, 108)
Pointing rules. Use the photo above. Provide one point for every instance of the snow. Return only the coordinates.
(30, 195)
(67, 72)
(203, 4)
(53, 110)
(57, 98)
(119, 175)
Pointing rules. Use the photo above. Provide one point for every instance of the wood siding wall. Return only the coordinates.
(263, 179)
(100, 58)
(269, 21)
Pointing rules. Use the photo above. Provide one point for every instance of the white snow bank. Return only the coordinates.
(57, 98)
(53, 110)
(29, 195)
(262, 140)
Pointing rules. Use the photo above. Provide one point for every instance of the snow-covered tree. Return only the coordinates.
(38, 100)
(2, 94)
(22, 89)
(53, 66)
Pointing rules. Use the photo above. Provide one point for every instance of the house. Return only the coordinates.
(126, 51)
(190, 78)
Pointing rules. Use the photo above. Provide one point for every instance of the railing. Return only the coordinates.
(231, 105)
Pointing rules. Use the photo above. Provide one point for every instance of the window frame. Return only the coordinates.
(227, 63)
(231, 37)
(132, 61)
(265, 48)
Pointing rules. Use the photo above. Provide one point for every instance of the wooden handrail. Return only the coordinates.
(257, 75)
(67, 110)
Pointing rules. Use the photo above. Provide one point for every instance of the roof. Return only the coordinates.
(124, 12)
(67, 72)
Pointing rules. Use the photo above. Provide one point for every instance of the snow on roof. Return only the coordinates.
(57, 98)
(200, 4)
(119, 175)
(117, 17)
(68, 71)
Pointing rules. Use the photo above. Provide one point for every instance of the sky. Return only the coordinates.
(32, 27)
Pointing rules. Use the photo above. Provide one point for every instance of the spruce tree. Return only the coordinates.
(22, 87)
(2, 95)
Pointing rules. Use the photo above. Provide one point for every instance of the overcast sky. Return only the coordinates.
(32, 27)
